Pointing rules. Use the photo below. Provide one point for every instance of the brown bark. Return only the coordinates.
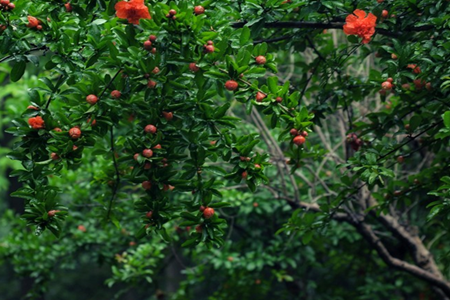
(366, 231)
(407, 235)
(425, 267)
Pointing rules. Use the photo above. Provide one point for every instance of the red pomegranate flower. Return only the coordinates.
(36, 122)
(32, 22)
(361, 25)
(133, 11)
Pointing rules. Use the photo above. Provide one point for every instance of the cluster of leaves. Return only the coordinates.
(199, 146)
(184, 107)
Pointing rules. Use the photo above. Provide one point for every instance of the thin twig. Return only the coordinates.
(58, 84)
(116, 167)
(109, 83)
(26, 52)
(408, 141)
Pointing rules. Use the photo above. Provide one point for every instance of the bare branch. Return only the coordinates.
(366, 231)
(331, 25)
(422, 257)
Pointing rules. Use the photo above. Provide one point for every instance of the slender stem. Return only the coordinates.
(408, 141)
(109, 83)
(28, 51)
(302, 94)
(311, 44)
(116, 167)
(55, 90)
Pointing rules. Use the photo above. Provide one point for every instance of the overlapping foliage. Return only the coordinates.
(373, 167)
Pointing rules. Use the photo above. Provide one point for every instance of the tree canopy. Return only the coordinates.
(225, 149)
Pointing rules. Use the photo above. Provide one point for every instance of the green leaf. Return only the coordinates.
(189, 216)
(251, 185)
(307, 237)
(446, 117)
(248, 24)
(55, 230)
(219, 204)
(113, 50)
(141, 233)
(190, 242)
(163, 234)
(272, 67)
(353, 39)
(255, 72)
(18, 70)
(44, 162)
(415, 121)
(245, 36)
(220, 112)
(272, 82)
(47, 83)
(98, 22)
(371, 158)
(216, 170)
(216, 75)
(23, 194)
(372, 177)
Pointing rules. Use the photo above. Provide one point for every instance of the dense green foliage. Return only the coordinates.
(352, 205)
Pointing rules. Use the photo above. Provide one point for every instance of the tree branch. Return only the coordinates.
(331, 25)
(304, 205)
(278, 152)
(366, 231)
(421, 255)
(44, 47)
(408, 141)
